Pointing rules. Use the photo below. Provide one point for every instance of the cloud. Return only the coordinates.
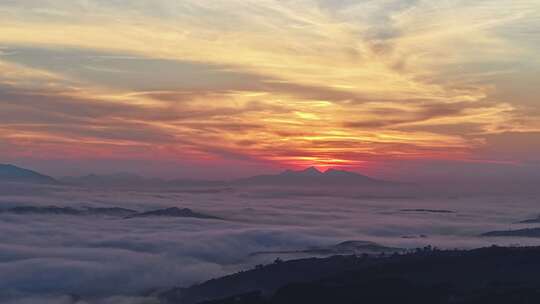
(129, 72)
(104, 260)
(302, 77)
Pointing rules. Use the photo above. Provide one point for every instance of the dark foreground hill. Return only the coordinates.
(343, 248)
(488, 275)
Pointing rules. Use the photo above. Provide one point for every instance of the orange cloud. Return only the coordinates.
(293, 83)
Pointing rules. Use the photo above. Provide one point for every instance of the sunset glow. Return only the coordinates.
(278, 83)
(269, 151)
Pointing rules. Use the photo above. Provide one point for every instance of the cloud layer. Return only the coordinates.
(52, 256)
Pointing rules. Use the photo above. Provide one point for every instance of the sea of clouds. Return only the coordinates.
(99, 260)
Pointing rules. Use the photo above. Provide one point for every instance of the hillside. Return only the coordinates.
(487, 275)
(11, 173)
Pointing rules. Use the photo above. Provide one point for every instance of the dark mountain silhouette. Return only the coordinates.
(307, 177)
(173, 212)
(266, 279)
(107, 211)
(312, 177)
(427, 210)
(55, 210)
(11, 173)
(530, 221)
(527, 232)
(488, 275)
(343, 248)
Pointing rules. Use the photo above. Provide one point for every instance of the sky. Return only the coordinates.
(210, 89)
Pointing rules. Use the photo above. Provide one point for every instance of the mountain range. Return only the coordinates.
(307, 177)
(172, 212)
(312, 177)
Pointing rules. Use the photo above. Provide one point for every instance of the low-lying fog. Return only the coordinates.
(44, 258)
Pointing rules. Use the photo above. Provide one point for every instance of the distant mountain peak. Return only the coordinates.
(314, 177)
(12, 173)
(333, 170)
(311, 170)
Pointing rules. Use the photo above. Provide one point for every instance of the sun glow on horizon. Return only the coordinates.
(303, 83)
